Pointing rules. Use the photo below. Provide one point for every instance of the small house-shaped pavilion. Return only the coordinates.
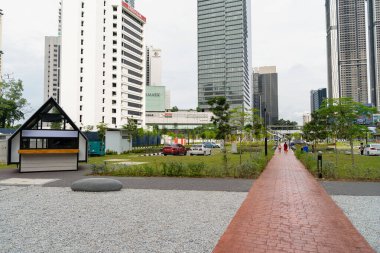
(47, 141)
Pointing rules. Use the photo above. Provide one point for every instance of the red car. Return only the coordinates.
(175, 149)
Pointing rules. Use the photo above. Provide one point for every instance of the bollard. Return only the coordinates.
(319, 164)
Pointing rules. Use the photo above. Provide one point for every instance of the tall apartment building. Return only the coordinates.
(153, 66)
(316, 98)
(224, 52)
(347, 49)
(103, 62)
(130, 2)
(374, 50)
(265, 93)
(1, 43)
(52, 68)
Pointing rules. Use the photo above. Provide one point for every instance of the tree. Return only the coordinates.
(131, 127)
(12, 103)
(316, 129)
(88, 128)
(102, 128)
(175, 109)
(221, 120)
(342, 115)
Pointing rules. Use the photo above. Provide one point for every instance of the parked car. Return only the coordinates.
(211, 145)
(215, 145)
(372, 149)
(175, 149)
(199, 149)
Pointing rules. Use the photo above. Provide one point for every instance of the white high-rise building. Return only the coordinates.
(52, 68)
(103, 62)
(153, 66)
(1, 44)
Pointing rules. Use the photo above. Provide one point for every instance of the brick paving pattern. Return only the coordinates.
(287, 210)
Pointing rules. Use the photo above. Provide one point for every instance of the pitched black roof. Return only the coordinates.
(44, 109)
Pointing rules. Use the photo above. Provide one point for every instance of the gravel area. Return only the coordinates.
(44, 219)
(364, 213)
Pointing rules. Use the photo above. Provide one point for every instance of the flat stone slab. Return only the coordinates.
(96, 185)
(26, 181)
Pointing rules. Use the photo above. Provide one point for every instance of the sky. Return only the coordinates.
(288, 34)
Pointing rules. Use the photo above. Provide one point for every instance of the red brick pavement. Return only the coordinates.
(287, 210)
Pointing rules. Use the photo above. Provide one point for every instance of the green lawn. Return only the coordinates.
(252, 164)
(366, 167)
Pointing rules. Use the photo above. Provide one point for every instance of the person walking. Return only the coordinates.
(279, 147)
(285, 147)
(361, 148)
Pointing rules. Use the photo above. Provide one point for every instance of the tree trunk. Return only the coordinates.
(336, 154)
(352, 153)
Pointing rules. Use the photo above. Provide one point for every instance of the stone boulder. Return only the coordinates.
(96, 185)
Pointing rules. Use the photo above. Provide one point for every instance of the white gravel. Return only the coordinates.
(39, 219)
(364, 213)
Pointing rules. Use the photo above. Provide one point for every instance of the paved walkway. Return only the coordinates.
(288, 211)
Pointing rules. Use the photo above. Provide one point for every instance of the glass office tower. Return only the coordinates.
(374, 50)
(347, 49)
(224, 52)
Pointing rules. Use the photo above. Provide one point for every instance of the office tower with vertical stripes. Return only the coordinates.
(347, 49)
(374, 50)
(224, 52)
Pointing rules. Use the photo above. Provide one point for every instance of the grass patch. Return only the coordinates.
(252, 164)
(366, 167)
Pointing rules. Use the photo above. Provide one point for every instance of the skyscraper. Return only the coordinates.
(374, 50)
(52, 68)
(316, 98)
(224, 52)
(347, 49)
(153, 66)
(265, 93)
(130, 2)
(103, 62)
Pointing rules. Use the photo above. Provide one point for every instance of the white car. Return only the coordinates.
(199, 150)
(372, 149)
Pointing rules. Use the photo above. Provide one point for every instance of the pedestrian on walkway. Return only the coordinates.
(279, 147)
(285, 147)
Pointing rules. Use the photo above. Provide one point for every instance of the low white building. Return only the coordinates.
(180, 120)
(47, 141)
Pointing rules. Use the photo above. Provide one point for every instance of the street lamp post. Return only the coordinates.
(266, 134)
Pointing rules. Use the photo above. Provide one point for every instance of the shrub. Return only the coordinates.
(196, 169)
(173, 169)
(329, 170)
(110, 152)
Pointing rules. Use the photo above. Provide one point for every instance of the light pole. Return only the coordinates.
(265, 129)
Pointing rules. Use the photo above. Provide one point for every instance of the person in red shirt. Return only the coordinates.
(285, 147)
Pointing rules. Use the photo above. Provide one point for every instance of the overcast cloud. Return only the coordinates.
(289, 34)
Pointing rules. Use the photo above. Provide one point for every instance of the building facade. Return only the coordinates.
(374, 50)
(306, 118)
(52, 67)
(265, 93)
(103, 62)
(316, 98)
(224, 52)
(1, 44)
(153, 66)
(155, 99)
(180, 120)
(347, 49)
